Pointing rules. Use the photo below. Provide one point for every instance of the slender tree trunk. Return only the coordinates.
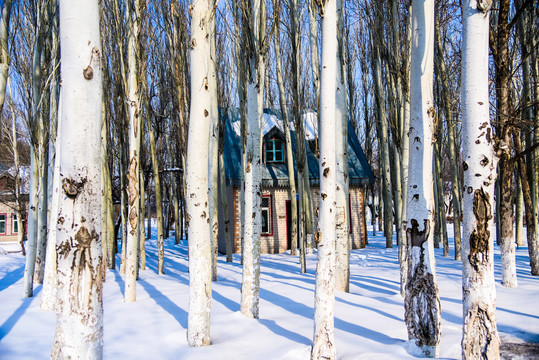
(437, 216)
(505, 166)
(342, 221)
(4, 51)
(31, 246)
(42, 213)
(384, 153)
(104, 190)
(133, 173)
(158, 202)
(16, 161)
(453, 152)
(531, 231)
(315, 62)
(422, 302)
(142, 237)
(198, 330)
(177, 219)
(527, 188)
(480, 336)
(149, 213)
(324, 303)
(288, 141)
(213, 174)
(519, 213)
(405, 147)
(224, 201)
(36, 134)
(49, 293)
(295, 34)
(440, 203)
(111, 236)
(535, 120)
(79, 329)
(123, 208)
(250, 286)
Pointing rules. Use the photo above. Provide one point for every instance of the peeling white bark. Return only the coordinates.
(480, 336)
(342, 221)
(198, 217)
(31, 245)
(79, 328)
(421, 302)
(324, 331)
(133, 171)
(250, 285)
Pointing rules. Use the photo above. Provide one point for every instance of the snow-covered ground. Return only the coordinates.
(368, 320)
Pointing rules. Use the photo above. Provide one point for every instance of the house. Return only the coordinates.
(9, 226)
(276, 212)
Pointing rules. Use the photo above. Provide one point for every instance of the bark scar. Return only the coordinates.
(479, 239)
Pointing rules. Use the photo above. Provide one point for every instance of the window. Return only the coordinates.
(2, 224)
(274, 150)
(267, 226)
(15, 224)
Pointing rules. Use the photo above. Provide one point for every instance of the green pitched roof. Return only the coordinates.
(276, 174)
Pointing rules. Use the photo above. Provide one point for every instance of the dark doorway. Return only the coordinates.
(289, 224)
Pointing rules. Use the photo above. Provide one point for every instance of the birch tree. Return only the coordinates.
(288, 139)
(453, 152)
(133, 172)
(79, 329)
(505, 165)
(250, 285)
(421, 301)
(38, 136)
(5, 14)
(324, 302)
(213, 173)
(48, 298)
(342, 220)
(198, 326)
(480, 337)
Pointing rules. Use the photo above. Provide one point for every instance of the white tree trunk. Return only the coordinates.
(213, 173)
(250, 286)
(403, 247)
(480, 337)
(133, 172)
(422, 303)
(42, 214)
(342, 221)
(324, 303)
(198, 330)
(313, 42)
(48, 297)
(79, 328)
(5, 14)
(31, 246)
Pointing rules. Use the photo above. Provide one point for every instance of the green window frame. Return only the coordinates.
(274, 150)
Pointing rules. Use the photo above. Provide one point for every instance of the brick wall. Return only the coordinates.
(277, 242)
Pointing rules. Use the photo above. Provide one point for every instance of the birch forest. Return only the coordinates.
(113, 121)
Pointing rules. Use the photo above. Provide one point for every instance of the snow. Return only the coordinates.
(310, 123)
(368, 320)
